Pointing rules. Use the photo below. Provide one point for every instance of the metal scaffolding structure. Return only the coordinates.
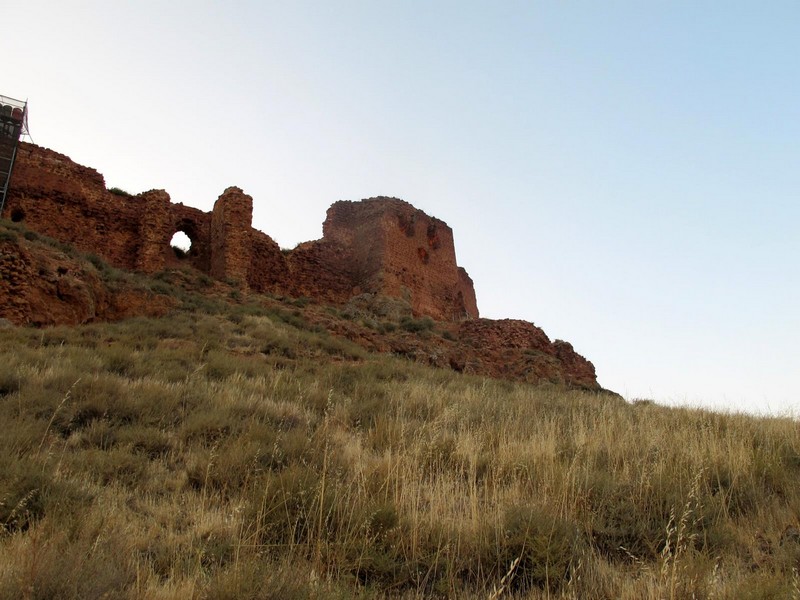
(13, 124)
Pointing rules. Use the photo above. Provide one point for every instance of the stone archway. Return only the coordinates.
(184, 242)
(181, 244)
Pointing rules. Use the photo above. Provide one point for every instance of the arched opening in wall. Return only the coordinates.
(181, 244)
(17, 215)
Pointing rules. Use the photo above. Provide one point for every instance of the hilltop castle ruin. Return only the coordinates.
(381, 245)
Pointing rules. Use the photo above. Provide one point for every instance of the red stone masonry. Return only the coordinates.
(230, 235)
(380, 245)
(399, 251)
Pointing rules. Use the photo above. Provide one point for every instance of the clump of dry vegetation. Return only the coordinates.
(238, 453)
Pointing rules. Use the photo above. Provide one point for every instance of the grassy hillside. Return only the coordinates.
(235, 451)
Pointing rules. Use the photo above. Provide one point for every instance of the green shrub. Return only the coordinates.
(387, 327)
(72, 565)
(283, 510)
(416, 325)
(102, 397)
(300, 302)
(118, 359)
(334, 346)
(100, 264)
(23, 492)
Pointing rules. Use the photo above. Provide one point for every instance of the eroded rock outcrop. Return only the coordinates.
(44, 286)
(519, 350)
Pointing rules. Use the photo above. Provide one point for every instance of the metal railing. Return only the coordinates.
(12, 101)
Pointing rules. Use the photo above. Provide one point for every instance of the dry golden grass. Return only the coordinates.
(239, 455)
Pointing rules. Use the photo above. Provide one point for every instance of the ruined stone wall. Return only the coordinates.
(267, 271)
(319, 270)
(398, 250)
(356, 228)
(421, 261)
(381, 245)
(375, 248)
(197, 226)
(61, 199)
(68, 202)
(153, 226)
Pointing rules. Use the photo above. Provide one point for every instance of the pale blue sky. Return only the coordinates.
(623, 174)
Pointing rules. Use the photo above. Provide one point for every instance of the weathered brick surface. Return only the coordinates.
(230, 235)
(68, 202)
(321, 270)
(153, 228)
(466, 292)
(397, 250)
(267, 271)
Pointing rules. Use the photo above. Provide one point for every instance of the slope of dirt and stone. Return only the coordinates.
(43, 282)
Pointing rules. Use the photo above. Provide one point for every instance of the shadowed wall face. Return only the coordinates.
(399, 251)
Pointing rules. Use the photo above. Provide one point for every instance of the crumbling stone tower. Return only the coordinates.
(397, 250)
(230, 239)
